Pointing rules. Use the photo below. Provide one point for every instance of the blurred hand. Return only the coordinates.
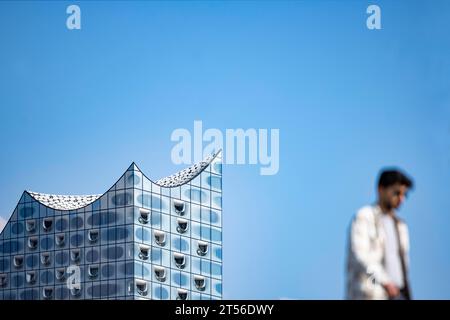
(391, 290)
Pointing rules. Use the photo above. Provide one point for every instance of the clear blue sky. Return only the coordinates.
(77, 107)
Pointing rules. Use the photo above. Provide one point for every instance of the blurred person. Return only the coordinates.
(378, 246)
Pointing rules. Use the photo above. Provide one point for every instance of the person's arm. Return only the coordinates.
(403, 228)
(360, 247)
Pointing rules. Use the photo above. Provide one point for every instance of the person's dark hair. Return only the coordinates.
(389, 177)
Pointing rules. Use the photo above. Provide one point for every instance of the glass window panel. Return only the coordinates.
(166, 258)
(165, 222)
(205, 215)
(216, 217)
(165, 204)
(216, 166)
(206, 197)
(156, 202)
(147, 185)
(104, 202)
(216, 235)
(216, 182)
(165, 191)
(120, 216)
(129, 212)
(196, 181)
(185, 193)
(129, 179)
(205, 267)
(138, 179)
(156, 219)
(216, 252)
(156, 188)
(121, 183)
(175, 192)
(195, 265)
(216, 287)
(206, 181)
(216, 270)
(111, 197)
(216, 200)
(205, 232)
(195, 230)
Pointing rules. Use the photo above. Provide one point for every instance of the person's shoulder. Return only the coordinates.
(365, 212)
(401, 221)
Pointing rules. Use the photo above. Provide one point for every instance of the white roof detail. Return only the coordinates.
(185, 175)
(62, 202)
(67, 202)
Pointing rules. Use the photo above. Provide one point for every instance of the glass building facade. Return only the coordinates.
(139, 240)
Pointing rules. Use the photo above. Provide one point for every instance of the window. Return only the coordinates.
(32, 242)
(160, 237)
(93, 235)
(60, 239)
(160, 273)
(179, 207)
(45, 258)
(30, 225)
(31, 277)
(130, 287)
(18, 261)
(75, 255)
(199, 282)
(47, 293)
(180, 260)
(93, 271)
(202, 248)
(182, 294)
(47, 224)
(60, 273)
(144, 252)
(3, 280)
(141, 287)
(144, 216)
(182, 225)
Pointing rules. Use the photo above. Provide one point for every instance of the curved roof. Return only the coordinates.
(74, 202)
(186, 175)
(64, 202)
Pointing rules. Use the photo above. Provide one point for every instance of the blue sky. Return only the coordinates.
(77, 107)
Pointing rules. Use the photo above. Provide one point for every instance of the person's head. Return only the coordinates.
(393, 187)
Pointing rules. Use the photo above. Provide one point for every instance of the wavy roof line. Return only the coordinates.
(64, 202)
(74, 202)
(186, 175)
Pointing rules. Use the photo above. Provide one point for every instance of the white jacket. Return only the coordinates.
(365, 264)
